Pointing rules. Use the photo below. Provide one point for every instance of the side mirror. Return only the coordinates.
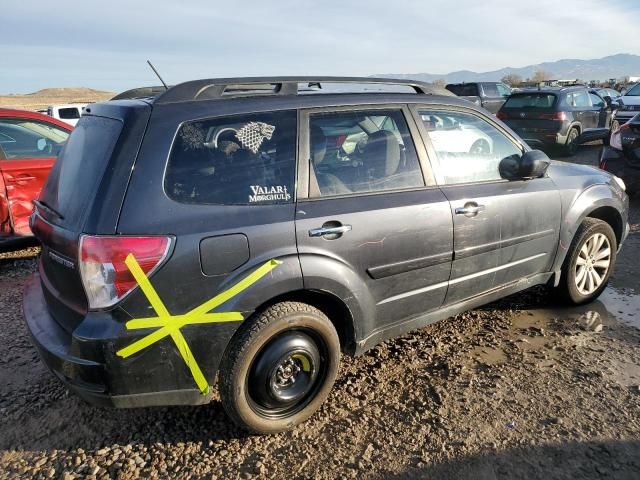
(41, 144)
(607, 100)
(532, 164)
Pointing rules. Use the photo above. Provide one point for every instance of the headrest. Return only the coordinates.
(382, 153)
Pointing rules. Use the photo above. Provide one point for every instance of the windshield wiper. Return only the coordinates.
(44, 206)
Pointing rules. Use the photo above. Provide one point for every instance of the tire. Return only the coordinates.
(570, 281)
(279, 367)
(571, 147)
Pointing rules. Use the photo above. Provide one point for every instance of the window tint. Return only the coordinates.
(77, 172)
(463, 89)
(596, 100)
(69, 113)
(468, 148)
(361, 151)
(238, 160)
(531, 100)
(26, 138)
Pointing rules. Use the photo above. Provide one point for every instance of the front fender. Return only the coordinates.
(586, 202)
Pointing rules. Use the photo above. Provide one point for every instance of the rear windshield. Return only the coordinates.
(237, 160)
(79, 168)
(531, 100)
(464, 90)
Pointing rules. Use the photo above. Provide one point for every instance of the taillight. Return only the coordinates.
(502, 115)
(562, 116)
(105, 275)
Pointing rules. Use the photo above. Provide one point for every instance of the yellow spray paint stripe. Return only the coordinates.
(169, 325)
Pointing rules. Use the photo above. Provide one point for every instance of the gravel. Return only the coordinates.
(521, 388)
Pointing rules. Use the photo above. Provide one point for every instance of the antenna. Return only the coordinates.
(157, 74)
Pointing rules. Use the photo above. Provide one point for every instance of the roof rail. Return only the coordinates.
(216, 88)
(141, 92)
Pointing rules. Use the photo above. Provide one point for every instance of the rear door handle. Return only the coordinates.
(322, 231)
(470, 209)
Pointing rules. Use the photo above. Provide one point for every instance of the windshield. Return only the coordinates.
(633, 91)
(531, 100)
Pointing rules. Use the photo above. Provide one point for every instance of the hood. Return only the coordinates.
(558, 170)
(631, 100)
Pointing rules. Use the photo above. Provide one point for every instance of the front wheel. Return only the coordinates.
(589, 262)
(279, 367)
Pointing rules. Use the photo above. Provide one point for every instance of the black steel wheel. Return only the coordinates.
(279, 367)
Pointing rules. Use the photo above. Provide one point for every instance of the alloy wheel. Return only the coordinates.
(592, 264)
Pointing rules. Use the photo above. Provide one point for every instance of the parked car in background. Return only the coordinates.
(488, 95)
(29, 144)
(232, 207)
(629, 106)
(608, 92)
(622, 156)
(69, 113)
(555, 116)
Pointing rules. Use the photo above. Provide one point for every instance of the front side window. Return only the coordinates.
(468, 148)
(236, 160)
(27, 138)
(503, 90)
(596, 100)
(633, 91)
(361, 152)
(581, 100)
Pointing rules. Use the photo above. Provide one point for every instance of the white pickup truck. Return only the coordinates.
(69, 113)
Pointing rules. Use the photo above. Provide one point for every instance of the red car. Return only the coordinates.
(29, 144)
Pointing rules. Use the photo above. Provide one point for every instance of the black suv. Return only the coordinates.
(488, 95)
(254, 229)
(556, 116)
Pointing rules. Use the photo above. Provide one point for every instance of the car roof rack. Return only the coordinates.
(140, 92)
(216, 88)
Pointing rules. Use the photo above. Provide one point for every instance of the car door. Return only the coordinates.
(584, 110)
(491, 98)
(369, 213)
(503, 230)
(602, 110)
(29, 150)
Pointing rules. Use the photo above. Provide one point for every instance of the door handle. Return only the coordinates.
(470, 209)
(322, 231)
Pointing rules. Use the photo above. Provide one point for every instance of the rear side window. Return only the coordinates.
(69, 113)
(463, 90)
(236, 160)
(531, 100)
(76, 174)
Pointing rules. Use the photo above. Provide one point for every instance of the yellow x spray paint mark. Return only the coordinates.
(170, 325)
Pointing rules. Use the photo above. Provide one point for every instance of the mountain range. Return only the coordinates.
(613, 66)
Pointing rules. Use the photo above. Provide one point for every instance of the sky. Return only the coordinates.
(105, 44)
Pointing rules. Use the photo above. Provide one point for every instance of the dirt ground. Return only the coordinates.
(522, 388)
(52, 96)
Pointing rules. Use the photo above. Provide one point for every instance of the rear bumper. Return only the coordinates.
(92, 379)
(543, 138)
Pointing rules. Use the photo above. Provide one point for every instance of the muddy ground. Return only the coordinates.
(522, 388)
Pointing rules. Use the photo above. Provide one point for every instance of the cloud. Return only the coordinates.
(105, 45)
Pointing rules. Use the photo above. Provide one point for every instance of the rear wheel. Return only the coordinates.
(279, 367)
(570, 146)
(589, 262)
